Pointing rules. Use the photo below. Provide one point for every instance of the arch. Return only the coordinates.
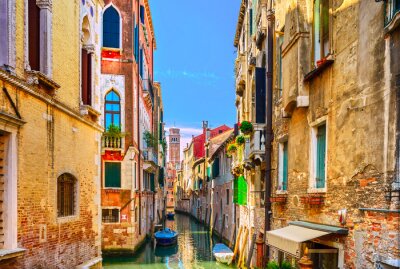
(112, 27)
(66, 195)
(112, 109)
(86, 30)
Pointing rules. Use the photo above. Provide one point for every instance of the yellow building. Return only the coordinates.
(49, 135)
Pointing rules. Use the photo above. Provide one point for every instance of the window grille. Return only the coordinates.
(66, 195)
(110, 215)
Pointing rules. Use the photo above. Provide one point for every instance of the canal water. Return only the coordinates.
(194, 250)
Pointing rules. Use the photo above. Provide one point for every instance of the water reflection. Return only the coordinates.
(193, 250)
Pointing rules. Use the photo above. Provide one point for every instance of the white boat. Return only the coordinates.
(222, 253)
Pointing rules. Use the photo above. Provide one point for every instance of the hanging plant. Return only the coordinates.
(149, 139)
(232, 148)
(238, 170)
(164, 145)
(240, 140)
(114, 131)
(246, 127)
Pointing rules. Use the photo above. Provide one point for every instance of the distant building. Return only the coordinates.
(174, 153)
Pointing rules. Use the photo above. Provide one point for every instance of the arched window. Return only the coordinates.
(66, 195)
(112, 110)
(111, 28)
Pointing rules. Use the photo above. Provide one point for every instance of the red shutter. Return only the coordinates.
(34, 35)
(86, 78)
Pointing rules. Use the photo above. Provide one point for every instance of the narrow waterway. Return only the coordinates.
(194, 250)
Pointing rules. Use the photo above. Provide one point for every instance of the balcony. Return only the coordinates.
(111, 142)
(150, 160)
(257, 142)
(148, 93)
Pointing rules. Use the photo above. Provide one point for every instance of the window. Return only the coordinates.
(227, 196)
(320, 160)
(111, 28)
(321, 30)
(112, 110)
(112, 171)
(260, 95)
(215, 168)
(66, 195)
(392, 8)
(318, 179)
(251, 22)
(34, 35)
(110, 215)
(283, 167)
(5, 33)
(86, 77)
(142, 14)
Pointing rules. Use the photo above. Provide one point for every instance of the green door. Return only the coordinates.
(321, 153)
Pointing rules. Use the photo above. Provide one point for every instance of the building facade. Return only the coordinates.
(174, 161)
(331, 68)
(132, 145)
(50, 134)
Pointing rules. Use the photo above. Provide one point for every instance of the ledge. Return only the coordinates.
(318, 70)
(380, 210)
(37, 77)
(11, 253)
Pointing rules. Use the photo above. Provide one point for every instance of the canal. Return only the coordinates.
(194, 250)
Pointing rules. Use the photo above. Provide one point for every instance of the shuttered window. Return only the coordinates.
(320, 158)
(34, 35)
(111, 28)
(285, 166)
(321, 30)
(152, 184)
(86, 78)
(215, 168)
(66, 195)
(141, 62)
(136, 42)
(112, 175)
(142, 14)
(260, 95)
(251, 21)
(242, 191)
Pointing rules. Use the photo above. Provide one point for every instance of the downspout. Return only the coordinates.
(268, 130)
(138, 122)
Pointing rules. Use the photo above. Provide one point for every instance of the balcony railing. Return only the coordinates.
(148, 88)
(257, 141)
(149, 155)
(111, 142)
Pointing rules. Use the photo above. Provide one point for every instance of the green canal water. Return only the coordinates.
(194, 250)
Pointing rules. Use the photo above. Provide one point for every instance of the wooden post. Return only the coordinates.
(222, 230)
(253, 242)
(232, 238)
(305, 262)
(237, 243)
(241, 257)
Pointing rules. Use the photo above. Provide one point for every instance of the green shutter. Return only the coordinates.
(242, 191)
(208, 173)
(215, 168)
(235, 191)
(285, 166)
(251, 21)
(112, 175)
(317, 31)
(321, 150)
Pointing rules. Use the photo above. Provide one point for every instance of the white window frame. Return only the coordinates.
(280, 166)
(313, 155)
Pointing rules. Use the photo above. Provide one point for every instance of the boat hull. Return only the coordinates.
(222, 253)
(170, 216)
(166, 241)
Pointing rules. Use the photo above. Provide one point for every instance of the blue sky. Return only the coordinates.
(194, 61)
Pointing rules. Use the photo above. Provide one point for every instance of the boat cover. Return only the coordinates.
(166, 233)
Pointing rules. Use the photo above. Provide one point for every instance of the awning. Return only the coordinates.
(289, 239)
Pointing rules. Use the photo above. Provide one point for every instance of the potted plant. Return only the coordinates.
(246, 127)
(240, 140)
(232, 148)
(114, 131)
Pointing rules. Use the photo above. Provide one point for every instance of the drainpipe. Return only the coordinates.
(268, 130)
(138, 124)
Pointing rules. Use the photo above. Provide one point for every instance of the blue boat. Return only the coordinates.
(166, 237)
(222, 253)
(170, 215)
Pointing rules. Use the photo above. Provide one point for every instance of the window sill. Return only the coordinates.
(281, 192)
(108, 189)
(67, 219)
(11, 253)
(316, 190)
(90, 111)
(38, 78)
(326, 62)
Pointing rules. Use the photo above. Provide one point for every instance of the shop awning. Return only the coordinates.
(289, 239)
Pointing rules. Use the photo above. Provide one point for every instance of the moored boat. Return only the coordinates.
(170, 215)
(222, 253)
(166, 237)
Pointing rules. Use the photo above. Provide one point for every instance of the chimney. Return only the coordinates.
(205, 126)
(208, 133)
